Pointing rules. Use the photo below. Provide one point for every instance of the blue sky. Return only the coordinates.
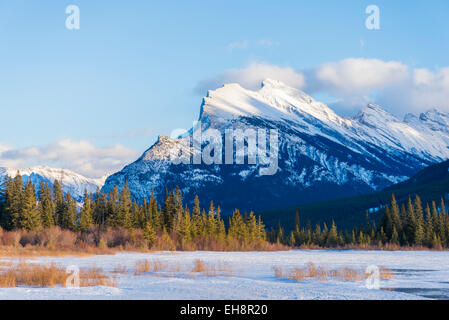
(137, 69)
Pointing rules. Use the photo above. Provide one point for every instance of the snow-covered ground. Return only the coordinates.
(416, 275)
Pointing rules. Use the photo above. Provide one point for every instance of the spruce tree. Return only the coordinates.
(410, 223)
(196, 216)
(332, 237)
(169, 210)
(211, 220)
(15, 200)
(149, 234)
(429, 227)
(395, 237)
(68, 219)
(59, 202)
(419, 236)
(29, 218)
(46, 206)
(124, 214)
(86, 220)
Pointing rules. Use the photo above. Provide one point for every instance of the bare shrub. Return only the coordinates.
(198, 266)
(120, 269)
(10, 238)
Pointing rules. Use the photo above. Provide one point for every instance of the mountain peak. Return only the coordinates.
(374, 114)
(71, 181)
(274, 101)
(436, 120)
(273, 83)
(375, 107)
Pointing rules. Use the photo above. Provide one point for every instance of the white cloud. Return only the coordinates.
(4, 147)
(359, 75)
(423, 90)
(396, 86)
(252, 76)
(352, 82)
(79, 156)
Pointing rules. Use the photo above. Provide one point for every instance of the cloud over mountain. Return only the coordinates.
(79, 156)
(352, 82)
(251, 77)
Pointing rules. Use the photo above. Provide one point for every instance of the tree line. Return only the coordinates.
(172, 222)
(23, 207)
(402, 225)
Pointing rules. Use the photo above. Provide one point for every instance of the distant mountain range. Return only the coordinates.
(71, 181)
(321, 154)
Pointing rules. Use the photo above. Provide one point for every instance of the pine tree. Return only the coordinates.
(297, 228)
(196, 216)
(211, 220)
(237, 226)
(419, 236)
(185, 227)
(395, 216)
(261, 234)
(410, 223)
(112, 218)
(46, 206)
(436, 242)
(7, 218)
(149, 234)
(86, 213)
(442, 224)
(429, 227)
(387, 222)
(395, 237)
(14, 201)
(58, 197)
(169, 210)
(332, 237)
(68, 219)
(99, 210)
(280, 233)
(253, 229)
(291, 240)
(124, 214)
(29, 218)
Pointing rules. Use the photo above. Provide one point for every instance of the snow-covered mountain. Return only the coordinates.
(321, 154)
(71, 181)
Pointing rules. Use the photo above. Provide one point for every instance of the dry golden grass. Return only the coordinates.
(36, 251)
(120, 269)
(210, 270)
(32, 275)
(386, 274)
(149, 266)
(50, 275)
(163, 269)
(311, 272)
(93, 277)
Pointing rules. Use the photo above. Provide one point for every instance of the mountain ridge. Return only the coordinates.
(71, 181)
(318, 150)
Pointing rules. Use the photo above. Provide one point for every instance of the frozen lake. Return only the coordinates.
(416, 275)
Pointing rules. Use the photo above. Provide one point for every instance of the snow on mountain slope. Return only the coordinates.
(71, 181)
(321, 154)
